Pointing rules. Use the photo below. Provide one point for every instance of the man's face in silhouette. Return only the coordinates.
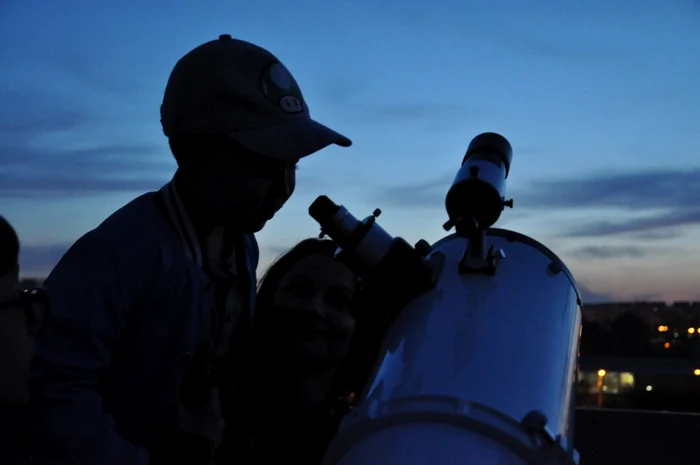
(238, 186)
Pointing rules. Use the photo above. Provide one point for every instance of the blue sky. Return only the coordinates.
(600, 100)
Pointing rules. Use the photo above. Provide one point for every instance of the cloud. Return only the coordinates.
(24, 115)
(660, 197)
(647, 190)
(493, 21)
(647, 297)
(527, 42)
(342, 90)
(589, 296)
(662, 235)
(78, 56)
(351, 93)
(348, 92)
(674, 218)
(433, 116)
(641, 190)
(29, 170)
(607, 252)
(531, 150)
(39, 260)
(400, 112)
(80, 65)
(423, 194)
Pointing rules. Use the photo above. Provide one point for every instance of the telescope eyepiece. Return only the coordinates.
(493, 144)
(364, 241)
(477, 192)
(323, 209)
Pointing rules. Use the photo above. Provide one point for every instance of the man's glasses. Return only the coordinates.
(35, 303)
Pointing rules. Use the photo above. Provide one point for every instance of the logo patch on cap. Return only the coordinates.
(280, 88)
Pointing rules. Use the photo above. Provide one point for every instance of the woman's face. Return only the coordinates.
(313, 302)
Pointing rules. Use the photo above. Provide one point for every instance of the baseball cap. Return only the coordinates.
(229, 86)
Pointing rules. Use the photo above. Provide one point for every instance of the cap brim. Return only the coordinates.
(290, 141)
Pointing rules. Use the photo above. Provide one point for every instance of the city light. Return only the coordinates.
(648, 388)
(667, 345)
(663, 328)
(601, 388)
(691, 330)
(696, 372)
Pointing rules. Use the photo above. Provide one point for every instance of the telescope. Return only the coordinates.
(478, 353)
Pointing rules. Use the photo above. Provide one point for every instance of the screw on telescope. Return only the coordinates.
(508, 203)
(534, 422)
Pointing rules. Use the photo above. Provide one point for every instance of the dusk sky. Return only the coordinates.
(600, 100)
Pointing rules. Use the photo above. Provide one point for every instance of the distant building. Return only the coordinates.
(670, 330)
(679, 316)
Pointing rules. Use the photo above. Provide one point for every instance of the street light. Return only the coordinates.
(599, 385)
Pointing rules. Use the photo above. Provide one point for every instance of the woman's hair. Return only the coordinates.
(9, 247)
(267, 286)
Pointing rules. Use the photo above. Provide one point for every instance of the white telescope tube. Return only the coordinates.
(467, 361)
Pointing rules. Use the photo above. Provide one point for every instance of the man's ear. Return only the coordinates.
(189, 149)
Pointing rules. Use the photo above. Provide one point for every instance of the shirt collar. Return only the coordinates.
(178, 216)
